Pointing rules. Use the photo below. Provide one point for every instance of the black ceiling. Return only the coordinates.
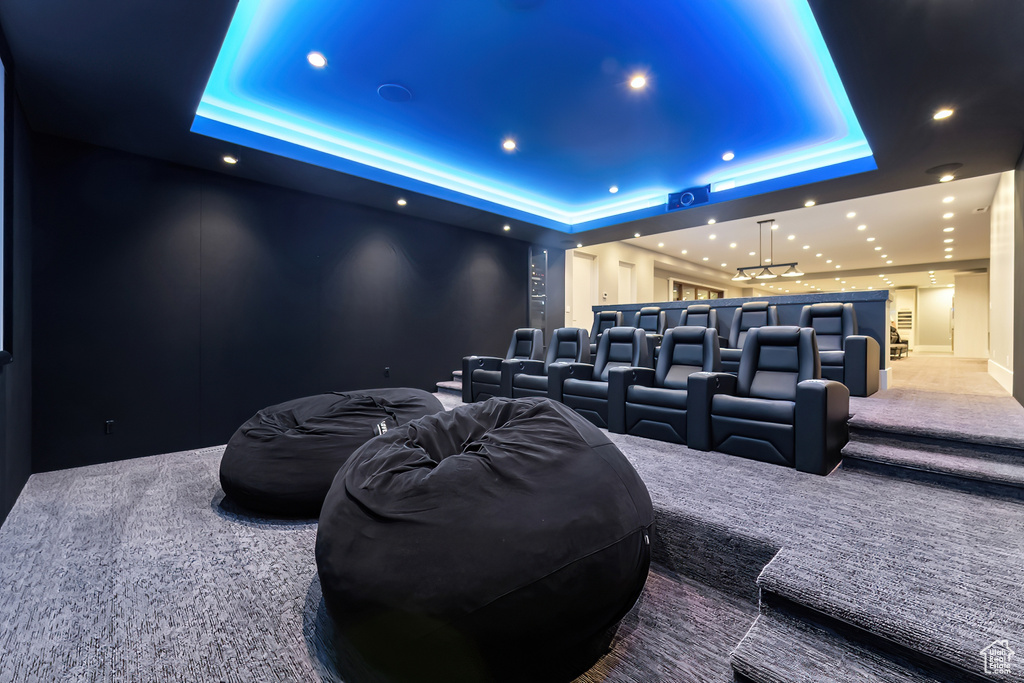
(128, 74)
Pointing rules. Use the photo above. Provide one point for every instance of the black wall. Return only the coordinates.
(16, 377)
(178, 302)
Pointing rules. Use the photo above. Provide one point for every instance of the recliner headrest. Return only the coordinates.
(783, 335)
(827, 309)
(698, 309)
(650, 310)
(686, 335)
(755, 306)
(620, 334)
(607, 315)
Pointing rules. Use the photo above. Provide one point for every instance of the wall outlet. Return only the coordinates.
(387, 371)
(108, 427)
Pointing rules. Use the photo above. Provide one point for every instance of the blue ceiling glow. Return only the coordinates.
(749, 76)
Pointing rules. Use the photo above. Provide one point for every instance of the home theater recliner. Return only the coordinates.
(776, 409)
(584, 387)
(481, 375)
(845, 356)
(603, 321)
(651, 319)
(652, 402)
(526, 378)
(750, 315)
(702, 315)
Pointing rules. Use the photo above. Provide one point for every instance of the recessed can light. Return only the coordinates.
(947, 215)
(728, 156)
(947, 241)
(401, 202)
(661, 244)
(815, 256)
(507, 228)
(613, 189)
(705, 258)
(509, 144)
(949, 256)
(724, 265)
(838, 266)
(791, 237)
(228, 159)
(809, 203)
(862, 227)
(947, 200)
(828, 261)
(712, 221)
(316, 59)
(889, 261)
(942, 114)
(732, 245)
(750, 253)
(579, 244)
(711, 237)
(636, 234)
(946, 178)
(948, 249)
(807, 246)
(871, 239)
(683, 251)
(637, 82)
(950, 229)
(878, 249)
(852, 214)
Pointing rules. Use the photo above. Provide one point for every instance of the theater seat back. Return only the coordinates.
(699, 315)
(776, 358)
(568, 345)
(620, 347)
(750, 315)
(650, 319)
(604, 321)
(684, 351)
(832, 324)
(527, 344)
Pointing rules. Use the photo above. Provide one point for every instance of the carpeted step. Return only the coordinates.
(985, 469)
(918, 603)
(457, 375)
(783, 648)
(451, 387)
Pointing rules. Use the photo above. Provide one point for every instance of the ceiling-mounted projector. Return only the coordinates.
(687, 198)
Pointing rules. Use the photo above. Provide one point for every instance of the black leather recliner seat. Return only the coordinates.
(702, 315)
(526, 378)
(776, 409)
(603, 320)
(481, 375)
(750, 315)
(845, 356)
(584, 387)
(652, 402)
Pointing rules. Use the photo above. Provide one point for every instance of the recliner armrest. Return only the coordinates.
(559, 372)
(701, 388)
(821, 424)
(471, 363)
(511, 368)
(619, 381)
(861, 364)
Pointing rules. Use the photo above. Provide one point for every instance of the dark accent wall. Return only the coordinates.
(177, 302)
(1018, 281)
(16, 377)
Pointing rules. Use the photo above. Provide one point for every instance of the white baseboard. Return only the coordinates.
(1001, 375)
(921, 348)
(884, 378)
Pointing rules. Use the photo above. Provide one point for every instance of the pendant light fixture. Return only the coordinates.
(765, 272)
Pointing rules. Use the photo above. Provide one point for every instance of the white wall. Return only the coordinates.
(650, 287)
(934, 333)
(1000, 285)
(970, 315)
(905, 300)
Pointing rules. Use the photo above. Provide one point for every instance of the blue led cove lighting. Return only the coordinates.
(750, 76)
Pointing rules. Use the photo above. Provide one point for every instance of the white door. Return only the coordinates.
(584, 274)
(627, 283)
(970, 316)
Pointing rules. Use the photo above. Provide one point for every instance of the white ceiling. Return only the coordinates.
(908, 226)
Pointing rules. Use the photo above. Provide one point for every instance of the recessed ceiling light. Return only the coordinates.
(870, 287)
(705, 258)
(613, 189)
(638, 82)
(947, 200)
(750, 253)
(885, 256)
(852, 214)
(946, 178)
(728, 156)
(949, 285)
(878, 249)
(828, 261)
(948, 215)
(684, 251)
(711, 237)
(401, 202)
(711, 221)
(942, 114)
(776, 226)
(871, 239)
(228, 159)
(950, 229)
(636, 234)
(732, 245)
(881, 276)
(948, 249)
(809, 203)
(807, 246)
(949, 256)
(843, 282)
(817, 255)
(947, 241)
(889, 261)
(724, 265)
(767, 260)
(507, 228)
(661, 244)
(931, 272)
(862, 227)
(838, 266)
(316, 59)
(509, 144)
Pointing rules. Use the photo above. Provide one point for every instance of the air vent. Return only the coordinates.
(981, 209)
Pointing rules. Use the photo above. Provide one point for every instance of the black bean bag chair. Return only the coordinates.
(502, 540)
(283, 460)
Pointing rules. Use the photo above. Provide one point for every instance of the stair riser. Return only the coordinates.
(861, 433)
(899, 654)
(944, 479)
